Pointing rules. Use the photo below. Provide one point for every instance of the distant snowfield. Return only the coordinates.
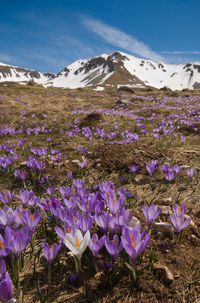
(99, 88)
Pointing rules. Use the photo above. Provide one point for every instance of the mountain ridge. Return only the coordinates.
(117, 68)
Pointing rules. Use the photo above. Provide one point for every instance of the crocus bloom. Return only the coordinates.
(20, 240)
(31, 220)
(6, 197)
(77, 243)
(113, 246)
(179, 222)
(26, 197)
(134, 168)
(103, 220)
(6, 216)
(190, 172)
(151, 213)
(134, 242)
(5, 244)
(5, 285)
(179, 210)
(96, 244)
(51, 251)
(20, 174)
(115, 204)
(82, 164)
(152, 166)
(178, 218)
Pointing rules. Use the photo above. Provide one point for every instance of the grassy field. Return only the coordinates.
(111, 130)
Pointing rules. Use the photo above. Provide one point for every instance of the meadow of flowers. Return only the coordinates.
(99, 199)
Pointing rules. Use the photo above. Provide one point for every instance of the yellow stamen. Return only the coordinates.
(180, 209)
(50, 247)
(113, 243)
(31, 216)
(95, 240)
(114, 201)
(69, 231)
(77, 242)
(2, 245)
(19, 215)
(108, 193)
(22, 210)
(6, 196)
(87, 205)
(49, 203)
(73, 219)
(6, 211)
(132, 242)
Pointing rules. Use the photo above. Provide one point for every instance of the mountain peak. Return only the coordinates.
(116, 68)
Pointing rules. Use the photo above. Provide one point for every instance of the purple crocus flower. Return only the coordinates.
(65, 191)
(37, 166)
(103, 220)
(179, 210)
(151, 213)
(82, 164)
(51, 251)
(190, 172)
(179, 222)
(6, 216)
(152, 166)
(20, 240)
(113, 246)
(96, 244)
(5, 285)
(85, 222)
(5, 244)
(170, 176)
(6, 197)
(56, 157)
(20, 174)
(115, 204)
(44, 179)
(26, 197)
(31, 220)
(134, 242)
(134, 168)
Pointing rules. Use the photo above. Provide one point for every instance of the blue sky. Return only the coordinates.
(47, 35)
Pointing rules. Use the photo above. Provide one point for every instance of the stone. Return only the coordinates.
(164, 227)
(133, 222)
(166, 210)
(163, 272)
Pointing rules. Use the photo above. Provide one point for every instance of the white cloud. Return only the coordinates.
(120, 39)
(181, 52)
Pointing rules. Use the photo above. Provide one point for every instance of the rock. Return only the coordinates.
(166, 88)
(126, 89)
(165, 228)
(166, 210)
(133, 222)
(164, 274)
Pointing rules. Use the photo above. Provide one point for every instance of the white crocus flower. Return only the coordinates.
(77, 244)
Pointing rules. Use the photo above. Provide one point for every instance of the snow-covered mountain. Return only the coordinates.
(117, 68)
(10, 73)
